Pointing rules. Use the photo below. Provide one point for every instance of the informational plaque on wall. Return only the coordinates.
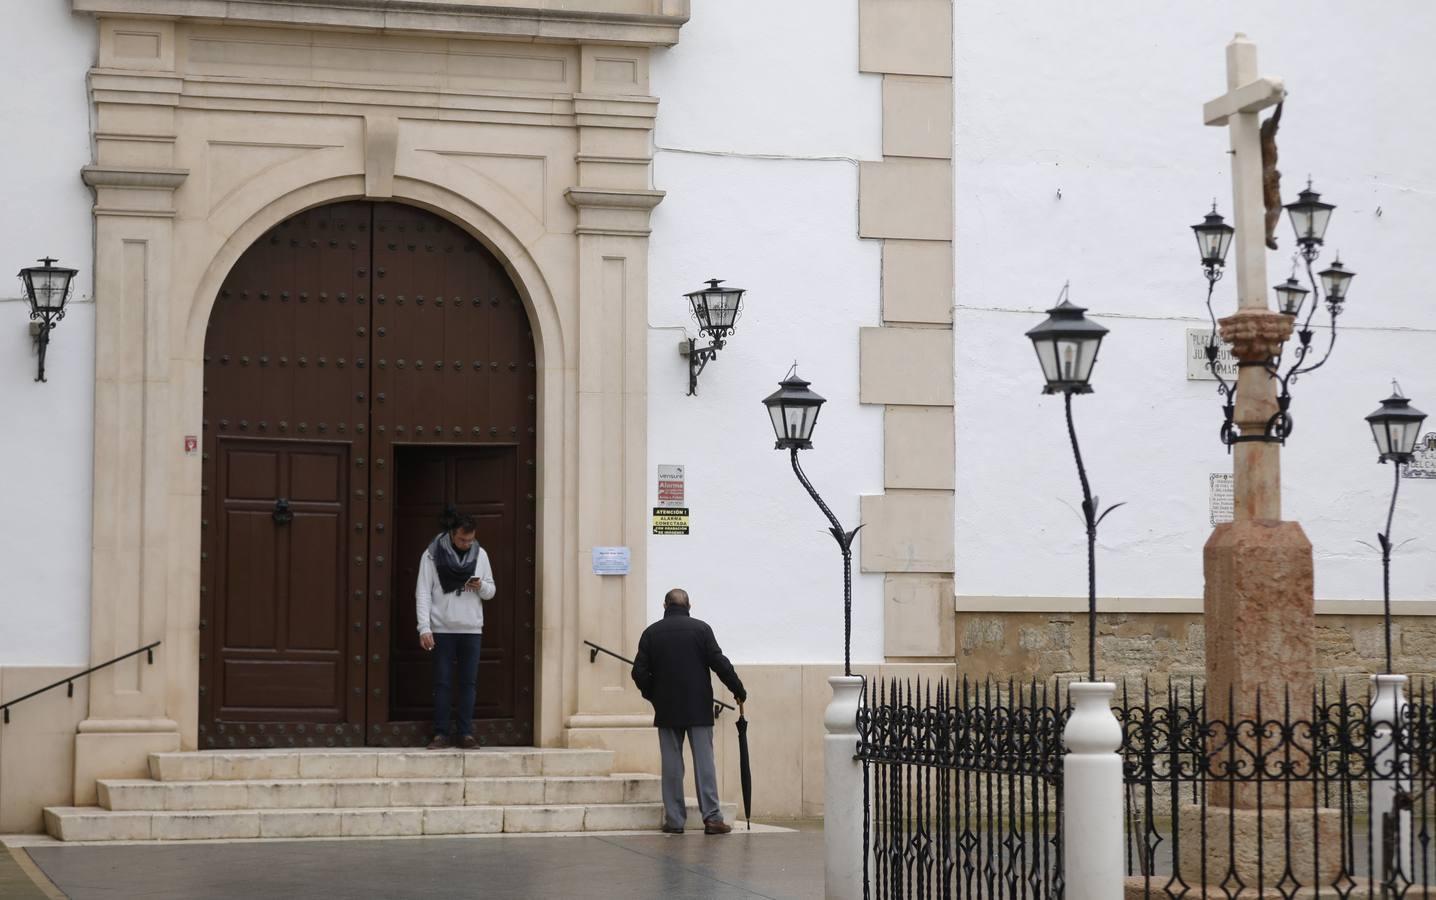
(610, 560)
(1423, 464)
(1223, 500)
(1197, 339)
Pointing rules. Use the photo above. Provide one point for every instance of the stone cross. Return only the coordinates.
(1256, 333)
(1259, 612)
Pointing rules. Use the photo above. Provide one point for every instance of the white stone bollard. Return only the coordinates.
(842, 792)
(1092, 795)
(1388, 708)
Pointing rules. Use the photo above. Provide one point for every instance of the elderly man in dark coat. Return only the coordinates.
(675, 655)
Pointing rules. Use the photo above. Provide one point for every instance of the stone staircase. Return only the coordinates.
(217, 794)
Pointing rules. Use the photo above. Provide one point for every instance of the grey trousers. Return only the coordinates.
(670, 745)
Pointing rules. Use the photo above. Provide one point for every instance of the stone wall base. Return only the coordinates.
(116, 754)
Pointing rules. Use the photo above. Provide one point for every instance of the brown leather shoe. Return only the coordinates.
(440, 742)
(467, 742)
(672, 829)
(716, 826)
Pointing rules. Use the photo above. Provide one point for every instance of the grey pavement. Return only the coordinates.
(693, 865)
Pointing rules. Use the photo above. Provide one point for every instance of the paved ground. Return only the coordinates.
(690, 867)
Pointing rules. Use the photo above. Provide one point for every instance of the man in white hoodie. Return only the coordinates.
(454, 579)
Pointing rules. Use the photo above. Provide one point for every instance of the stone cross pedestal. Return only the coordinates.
(1260, 616)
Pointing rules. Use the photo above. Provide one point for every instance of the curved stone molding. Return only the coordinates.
(602, 21)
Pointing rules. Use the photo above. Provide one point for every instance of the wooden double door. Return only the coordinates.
(368, 366)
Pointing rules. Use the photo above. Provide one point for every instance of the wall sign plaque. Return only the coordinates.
(1196, 350)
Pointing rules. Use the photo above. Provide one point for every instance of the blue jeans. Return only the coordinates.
(451, 651)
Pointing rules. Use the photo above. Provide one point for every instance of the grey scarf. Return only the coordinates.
(454, 570)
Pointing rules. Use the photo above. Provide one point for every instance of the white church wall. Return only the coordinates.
(46, 446)
(758, 561)
(1088, 161)
(779, 117)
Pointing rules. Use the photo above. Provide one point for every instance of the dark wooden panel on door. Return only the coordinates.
(454, 371)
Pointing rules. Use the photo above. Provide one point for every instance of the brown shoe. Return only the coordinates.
(716, 826)
(467, 742)
(440, 742)
(672, 829)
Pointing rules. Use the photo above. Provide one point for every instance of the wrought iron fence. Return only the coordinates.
(962, 790)
(1329, 795)
(1307, 796)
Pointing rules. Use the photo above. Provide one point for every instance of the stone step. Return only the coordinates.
(80, 824)
(374, 762)
(139, 795)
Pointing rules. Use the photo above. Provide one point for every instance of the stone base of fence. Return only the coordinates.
(1255, 847)
(1138, 888)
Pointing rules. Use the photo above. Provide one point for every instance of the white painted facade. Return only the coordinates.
(46, 447)
(1088, 161)
(757, 147)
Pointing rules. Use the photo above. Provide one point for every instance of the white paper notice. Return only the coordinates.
(1223, 500)
(610, 560)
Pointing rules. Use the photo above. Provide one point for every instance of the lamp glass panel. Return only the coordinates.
(49, 287)
(1290, 296)
(1383, 437)
(1404, 436)
(1075, 357)
(700, 310)
(1224, 242)
(799, 421)
(780, 421)
(1310, 222)
(1047, 358)
(1335, 282)
(723, 309)
(1214, 243)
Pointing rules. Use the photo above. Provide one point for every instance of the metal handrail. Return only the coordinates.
(69, 683)
(594, 650)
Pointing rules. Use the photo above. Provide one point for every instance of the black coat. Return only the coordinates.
(674, 657)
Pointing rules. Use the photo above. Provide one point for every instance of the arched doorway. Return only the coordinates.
(366, 366)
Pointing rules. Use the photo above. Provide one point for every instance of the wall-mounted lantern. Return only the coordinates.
(717, 309)
(47, 287)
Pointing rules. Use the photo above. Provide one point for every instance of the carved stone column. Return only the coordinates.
(614, 201)
(129, 715)
(134, 179)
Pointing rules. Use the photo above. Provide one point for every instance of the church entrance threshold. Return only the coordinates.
(367, 365)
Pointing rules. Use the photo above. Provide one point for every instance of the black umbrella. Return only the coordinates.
(745, 769)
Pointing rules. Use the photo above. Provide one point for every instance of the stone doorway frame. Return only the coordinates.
(206, 135)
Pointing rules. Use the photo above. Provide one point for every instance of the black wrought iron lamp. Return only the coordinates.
(47, 288)
(1067, 344)
(793, 409)
(1310, 216)
(1396, 427)
(717, 309)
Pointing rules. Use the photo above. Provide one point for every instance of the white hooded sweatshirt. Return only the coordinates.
(459, 612)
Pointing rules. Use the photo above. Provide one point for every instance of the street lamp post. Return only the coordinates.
(1067, 344)
(1395, 427)
(794, 409)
